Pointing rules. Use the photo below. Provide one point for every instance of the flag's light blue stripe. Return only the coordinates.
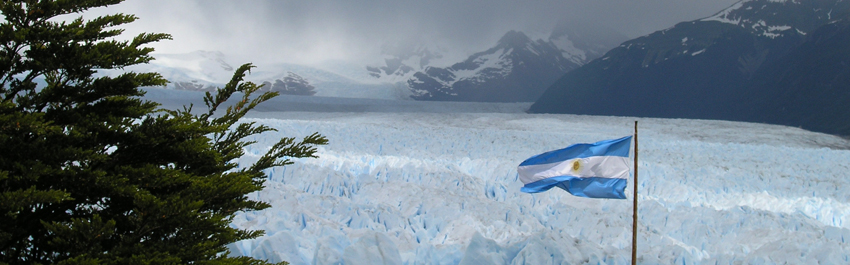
(595, 187)
(616, 147)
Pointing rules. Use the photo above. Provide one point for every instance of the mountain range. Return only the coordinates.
(772, 61)
(517, 69)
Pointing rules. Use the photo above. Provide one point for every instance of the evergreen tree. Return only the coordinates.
(92, 174)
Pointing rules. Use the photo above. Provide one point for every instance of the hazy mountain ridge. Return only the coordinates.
(206, 70)
(402, 60)
(199, 70)
(582, 41)
(516, 69)
(292, 84)
(704, 69)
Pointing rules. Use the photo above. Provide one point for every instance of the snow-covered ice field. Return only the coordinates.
(440, 187)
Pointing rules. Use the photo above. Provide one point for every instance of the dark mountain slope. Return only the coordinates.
(714, 68)
(810, 86)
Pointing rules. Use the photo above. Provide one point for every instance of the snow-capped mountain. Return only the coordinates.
(709, 68)
(516, 69)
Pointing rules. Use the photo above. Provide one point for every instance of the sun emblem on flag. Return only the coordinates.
(576, 165)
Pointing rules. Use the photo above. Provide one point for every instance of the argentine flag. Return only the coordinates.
(597, 170)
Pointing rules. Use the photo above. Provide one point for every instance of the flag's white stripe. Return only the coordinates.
(595, 166)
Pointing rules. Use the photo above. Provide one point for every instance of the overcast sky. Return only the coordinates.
(311, 31)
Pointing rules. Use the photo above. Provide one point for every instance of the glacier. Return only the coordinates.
(438, 185)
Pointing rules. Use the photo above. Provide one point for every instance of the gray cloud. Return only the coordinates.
(355, 30)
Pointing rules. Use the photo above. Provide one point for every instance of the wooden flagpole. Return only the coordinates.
(635, 209)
